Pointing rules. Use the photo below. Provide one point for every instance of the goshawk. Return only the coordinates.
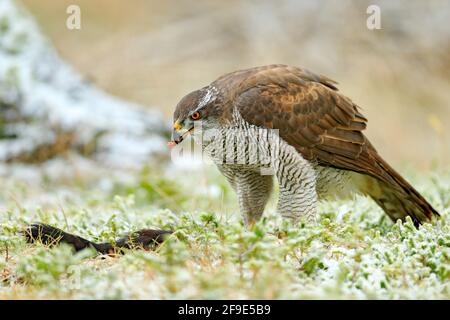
(290, 123)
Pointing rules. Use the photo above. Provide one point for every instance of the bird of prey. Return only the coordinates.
(297, 124)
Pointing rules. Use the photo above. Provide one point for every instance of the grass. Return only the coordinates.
(354, 252)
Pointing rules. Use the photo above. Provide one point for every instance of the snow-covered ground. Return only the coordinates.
(354, 252)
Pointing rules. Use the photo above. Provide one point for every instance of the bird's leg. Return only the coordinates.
(297, 182)
(253, 190)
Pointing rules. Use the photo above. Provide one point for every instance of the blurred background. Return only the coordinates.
(154, 52)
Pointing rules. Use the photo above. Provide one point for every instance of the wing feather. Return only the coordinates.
(320, 123)
(311, 115)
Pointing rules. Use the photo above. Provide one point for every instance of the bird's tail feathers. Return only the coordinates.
(397, 197)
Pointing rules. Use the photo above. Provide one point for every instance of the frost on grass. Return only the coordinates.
(47, 108)
(354, 252)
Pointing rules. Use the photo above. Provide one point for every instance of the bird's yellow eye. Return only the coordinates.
(195, 115)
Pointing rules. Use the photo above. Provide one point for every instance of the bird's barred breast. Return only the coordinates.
(330, 182)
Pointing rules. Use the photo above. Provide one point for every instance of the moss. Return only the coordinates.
(211, 255)
(4, 25)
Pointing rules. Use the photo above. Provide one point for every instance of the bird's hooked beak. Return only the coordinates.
(177, 134)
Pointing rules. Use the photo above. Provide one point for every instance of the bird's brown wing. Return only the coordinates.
(323, 125)
(320, 123)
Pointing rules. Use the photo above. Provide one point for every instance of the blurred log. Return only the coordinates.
(47, 108)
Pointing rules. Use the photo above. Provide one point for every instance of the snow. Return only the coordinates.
(48, 96)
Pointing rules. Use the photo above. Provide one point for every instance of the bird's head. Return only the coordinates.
(197, 107)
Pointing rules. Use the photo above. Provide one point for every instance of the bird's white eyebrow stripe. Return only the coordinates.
(211, 95)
